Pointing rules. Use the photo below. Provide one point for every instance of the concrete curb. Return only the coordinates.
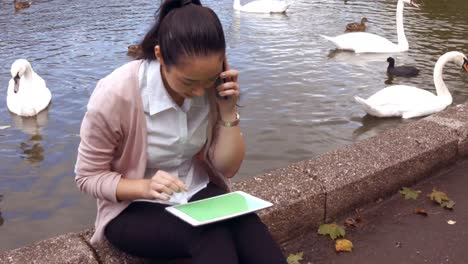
(310, 192)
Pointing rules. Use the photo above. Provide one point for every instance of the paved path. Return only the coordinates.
(393, 234)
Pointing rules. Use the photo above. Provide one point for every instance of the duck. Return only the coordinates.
(21, 5)
(134, 50)
(362, 42)
(401, 71)
(356, 27)
(27, 93)
(408, 101)
(262, 6)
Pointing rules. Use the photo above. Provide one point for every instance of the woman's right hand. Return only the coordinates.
(162, 185)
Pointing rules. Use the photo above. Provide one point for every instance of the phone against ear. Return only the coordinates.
(220, 81)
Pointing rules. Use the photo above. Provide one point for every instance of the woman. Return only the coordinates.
(165, 129)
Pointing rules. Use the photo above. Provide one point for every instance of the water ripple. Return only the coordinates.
(296, 90)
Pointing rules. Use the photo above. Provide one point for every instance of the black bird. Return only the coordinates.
(402, 71)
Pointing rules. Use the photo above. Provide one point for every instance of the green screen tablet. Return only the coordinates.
(218, 208)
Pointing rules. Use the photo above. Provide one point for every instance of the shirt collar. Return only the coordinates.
(160, 99)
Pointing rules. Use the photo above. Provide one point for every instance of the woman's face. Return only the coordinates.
(193, 75)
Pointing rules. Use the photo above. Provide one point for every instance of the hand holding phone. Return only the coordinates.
(221, 81)
(227, 91)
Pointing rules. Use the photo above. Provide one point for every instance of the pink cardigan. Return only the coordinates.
(113, 144)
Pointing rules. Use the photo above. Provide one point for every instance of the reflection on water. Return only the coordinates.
(1, 218)
(31, 150)
(389, 80)
(372, 126)
(297, 96)
(359, 59)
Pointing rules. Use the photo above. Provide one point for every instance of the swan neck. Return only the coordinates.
(441, 88)
(402, 41)
(28, 72)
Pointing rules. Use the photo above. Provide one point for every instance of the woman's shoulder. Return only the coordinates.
(120, 84)
(124, 76)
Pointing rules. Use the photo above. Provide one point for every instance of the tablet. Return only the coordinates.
(218, 208)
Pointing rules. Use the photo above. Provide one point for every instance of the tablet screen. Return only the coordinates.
(221, 206)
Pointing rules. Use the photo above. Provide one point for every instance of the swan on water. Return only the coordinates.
(27, 94)
(361, 42)
(408, 101)
(262, 6)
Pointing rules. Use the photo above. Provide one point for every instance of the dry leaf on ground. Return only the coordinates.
(442, 199)
(350, 222)
(343, 245)
(420, 211)
(409, 193)
(333, 230)
(295, 258)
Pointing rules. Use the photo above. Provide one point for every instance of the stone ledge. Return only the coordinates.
(68, 248)
(305, 193)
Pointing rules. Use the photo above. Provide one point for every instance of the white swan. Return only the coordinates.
(361, 42)
(409, 101)
(27, 93)
(262, 6)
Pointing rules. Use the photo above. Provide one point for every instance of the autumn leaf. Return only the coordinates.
(333, 230)
(442, 199)
(420, 211)
(350, 222)
(295, 258)
(449, 204)
(409, 193)
(343, 245)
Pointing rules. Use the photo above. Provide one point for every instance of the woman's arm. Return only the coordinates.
(229, 147)
(100, 138)
(100, 135)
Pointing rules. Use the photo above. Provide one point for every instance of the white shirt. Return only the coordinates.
(175, 134)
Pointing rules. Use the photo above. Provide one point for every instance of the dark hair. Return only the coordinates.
(183, 28)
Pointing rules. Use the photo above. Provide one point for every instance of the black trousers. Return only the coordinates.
(147, 230)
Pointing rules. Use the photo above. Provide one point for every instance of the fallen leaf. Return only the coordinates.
(420, 211)
(449, 204)
(398, 244)
(442, 199)
(333, 230)
(295, 258)
(4, 127)
(343, 245)
(409, 193)
(350, 222)
(451, 222)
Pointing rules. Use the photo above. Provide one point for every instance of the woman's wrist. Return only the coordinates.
(232, 123)
(228, 115)
(131, 189)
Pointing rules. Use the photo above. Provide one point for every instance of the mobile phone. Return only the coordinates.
(220, 81)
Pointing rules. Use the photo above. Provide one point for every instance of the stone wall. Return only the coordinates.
(307, 193)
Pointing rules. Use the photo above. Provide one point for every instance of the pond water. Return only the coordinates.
(297, 94)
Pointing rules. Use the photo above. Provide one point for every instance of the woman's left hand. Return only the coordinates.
(230, 88)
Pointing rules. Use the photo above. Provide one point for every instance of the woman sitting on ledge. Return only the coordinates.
(165, 129)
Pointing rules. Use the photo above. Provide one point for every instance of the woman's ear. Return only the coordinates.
(157, 53)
